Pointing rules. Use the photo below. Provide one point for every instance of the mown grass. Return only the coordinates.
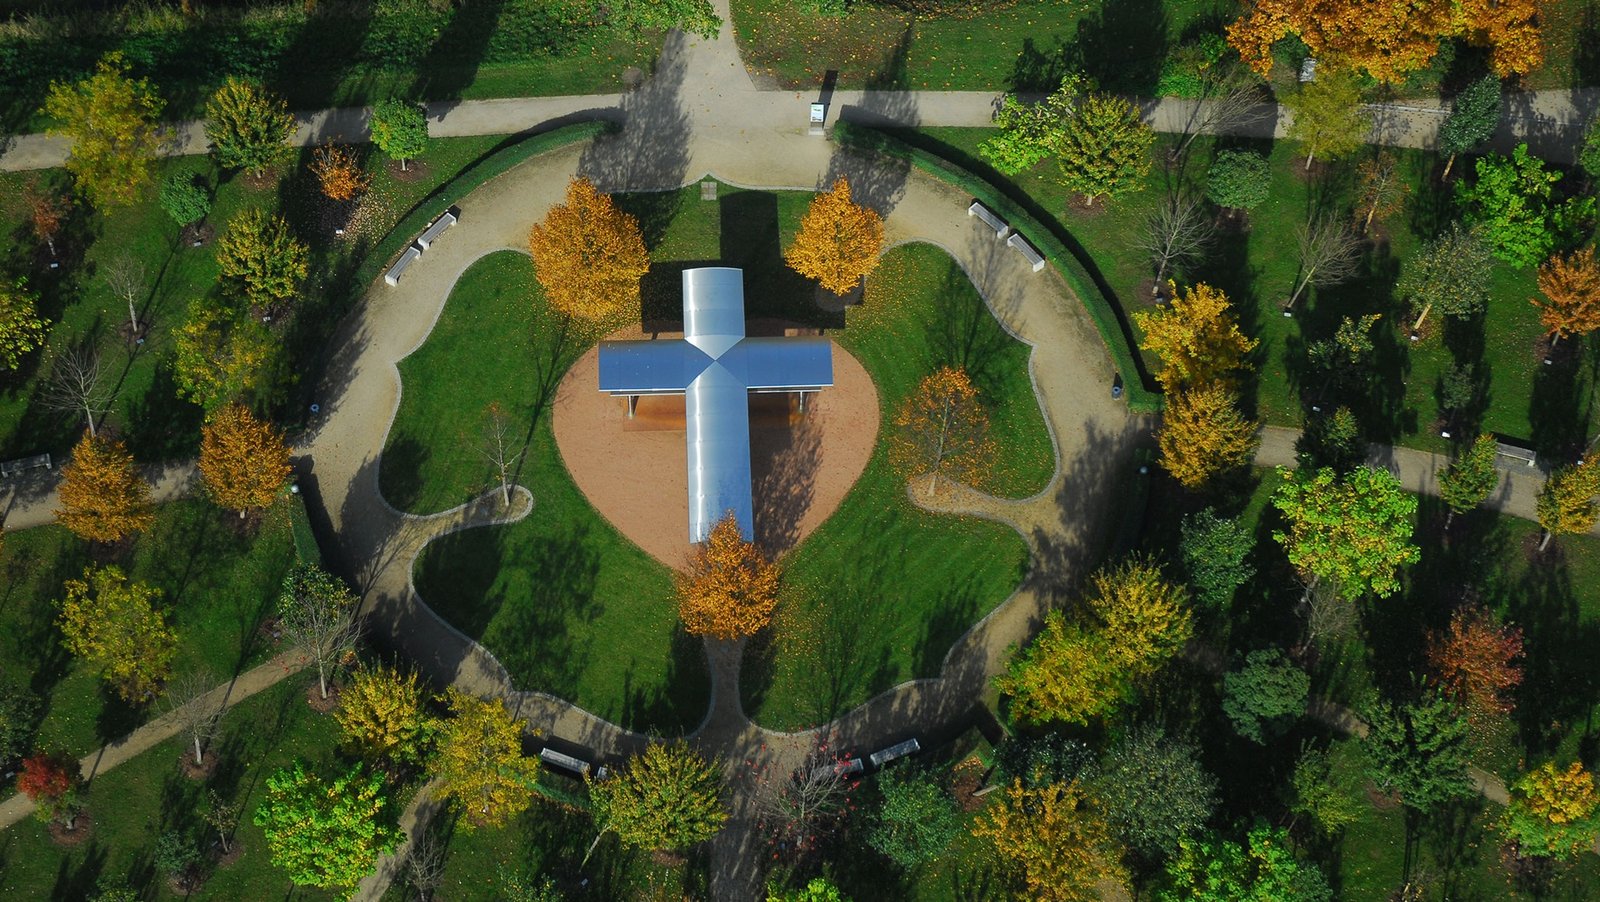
(155, 422)
(132, 805)
(215, 590)
(1548, 407)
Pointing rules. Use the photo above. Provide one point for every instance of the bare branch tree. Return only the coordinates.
(798, 809)
(1230, 96)
(1383, 189)
(425, 864)
(77, 384)
(1329, 254)
(498, 439)
(1328, 615)
(197, 712)
(1176, 233)
(222, 816)
(126, 277)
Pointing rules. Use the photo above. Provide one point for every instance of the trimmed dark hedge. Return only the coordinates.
(1103, 310)
(306, 549)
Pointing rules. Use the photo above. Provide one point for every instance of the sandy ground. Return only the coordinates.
(635, 472)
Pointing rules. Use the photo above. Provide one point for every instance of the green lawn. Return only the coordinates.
(1028, 44)
(154, 421)
(134, 804)
(215, 590)
(1553, 408)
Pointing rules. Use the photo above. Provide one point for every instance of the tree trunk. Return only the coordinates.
(402, 164)
(322, 678)
(505, 491)
(1447, 164)
(1545, 542)
(597, 837)
(133, 317)
(89, 415)
(1302, 287)
(222, 836)
(241, 513)
(1371, 211)
(1161, 270)
(50, 242)
(1310, 155)
(1449, 517)
(199, 757)
(1424, 315)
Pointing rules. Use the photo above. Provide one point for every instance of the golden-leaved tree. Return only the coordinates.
(112, 623)
(1554, 812)
(1569, 502)
(219, 354)
(1571, 289)
(480, 765)
(260, 260)
(1203, 435)
(839, 241)
(22, 329)
(1195, 337)
(103, 497)
(243, 461)
(111, 120)
(1055, 846)
(589, 257)
(730, 588)
(942, 430)
(339, 175)
(381, 717)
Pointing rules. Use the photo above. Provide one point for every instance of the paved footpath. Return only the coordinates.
(701, 115)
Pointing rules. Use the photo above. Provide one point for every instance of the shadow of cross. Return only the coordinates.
(715, 367)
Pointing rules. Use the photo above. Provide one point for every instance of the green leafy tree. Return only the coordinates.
(668, 798)
(1154, 791)
(259, 260)
(176, 855)
(220, 354)
(18, 709)
(916, 821)
(817, 890)
(1472, 119)
(1354, 530)
(112, 623)
(326, 833)
(1263, 869)
(1589, 153)
(1103, 148)
(317, 612)
(697, 17)
(399, 129)
(480, 764)
(1029, 132)
(249, 127)
(184, 199)
(1238, 180)
(1468, 480)
(1328, 118)
(111, 120)
(1265, 696)
(1554, 812)
(1327, 794)
(1511, 204)
(22, 329)
(1569, 502)
(1333, 441)
(1450, 272)
(1419, 750)
(1215, 553)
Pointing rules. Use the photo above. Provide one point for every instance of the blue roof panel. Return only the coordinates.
(643, 367)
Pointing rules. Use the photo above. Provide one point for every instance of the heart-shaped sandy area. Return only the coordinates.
(635, 472)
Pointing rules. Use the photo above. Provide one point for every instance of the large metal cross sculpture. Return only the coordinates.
(715, 367)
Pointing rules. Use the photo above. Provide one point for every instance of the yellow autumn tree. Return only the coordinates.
(839, 241)
(942, 430)
(1064, 675)
(589, 257)
(1203, 434)
(381, 717)
(1195, 337)
(1571, 289)
(1569, 501)
(480, 765)
(103, 497)
(730, 588)
(243, 461)
(1554, 812)
(112, 121)
(22, 329)
(338, 173)
(1390, 39)
(111, 622)
(1055, 847)
(1144, 616)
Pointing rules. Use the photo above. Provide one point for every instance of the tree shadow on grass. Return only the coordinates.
(954, 613)
(400, 471)
(162, 425)
(676, 703)
(1559, 687)
(116, 717)
(964, 334)
(751, 239)
(77, 880)
(529, 631)
(1562, 402)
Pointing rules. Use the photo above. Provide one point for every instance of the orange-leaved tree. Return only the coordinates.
(1571, 289)
(338, 173)
(1476, 660)
(839, 241)
(243, 461)
(942, 430)
(730, 588)
(1203, 434)
(103, 498)
(1195, 336)
(589, 256)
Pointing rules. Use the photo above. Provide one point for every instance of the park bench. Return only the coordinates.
(842, 768)
(898, 750)
(989, 219)
(432, 232)
(1514, 455)
(23, 464)
(566, 762)
(1035, 259)
(398, 269)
